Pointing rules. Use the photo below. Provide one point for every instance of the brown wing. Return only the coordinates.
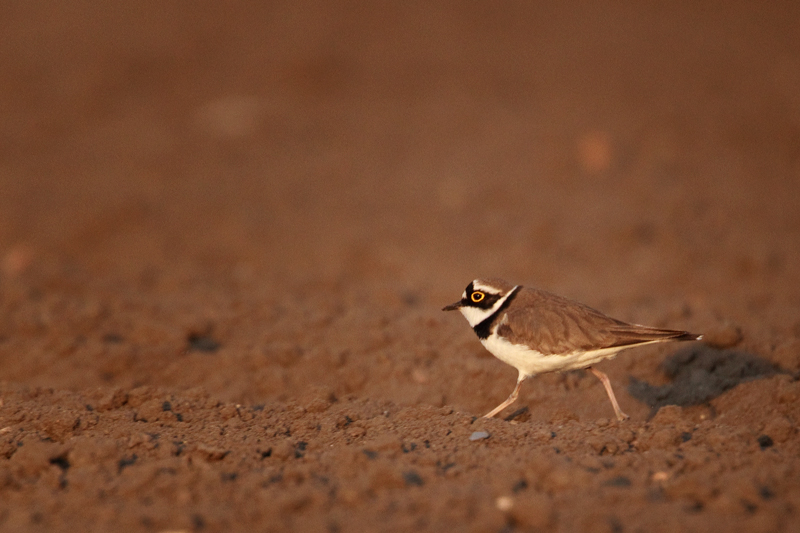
(555, 325)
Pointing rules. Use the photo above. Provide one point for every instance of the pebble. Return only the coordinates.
(723, 336)
(504, 503)
(479, 435)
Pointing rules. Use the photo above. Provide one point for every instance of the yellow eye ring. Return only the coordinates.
(477, 296)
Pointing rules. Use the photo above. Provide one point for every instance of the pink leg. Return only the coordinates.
(607, 384)
(511, 399)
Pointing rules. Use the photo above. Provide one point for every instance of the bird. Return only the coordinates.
(537, 332)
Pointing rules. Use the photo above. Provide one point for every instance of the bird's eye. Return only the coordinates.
(477, 296)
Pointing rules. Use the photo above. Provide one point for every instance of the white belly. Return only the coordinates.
(530, 362)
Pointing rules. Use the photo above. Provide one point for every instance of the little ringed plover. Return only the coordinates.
(536, 332)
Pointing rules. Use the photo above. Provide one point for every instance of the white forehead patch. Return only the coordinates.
(478, 286)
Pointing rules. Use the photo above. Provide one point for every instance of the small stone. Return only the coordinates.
(479, 435)
(660, 476)
(504, 503)
(211, 453)
(723, 336)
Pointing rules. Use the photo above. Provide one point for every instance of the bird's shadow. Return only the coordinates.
(699, 374)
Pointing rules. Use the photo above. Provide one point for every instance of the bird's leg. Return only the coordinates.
(607, 384)
(511, 399)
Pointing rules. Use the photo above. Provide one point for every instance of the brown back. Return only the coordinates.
(555, 325)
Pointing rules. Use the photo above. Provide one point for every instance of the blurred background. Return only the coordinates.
(311, 181)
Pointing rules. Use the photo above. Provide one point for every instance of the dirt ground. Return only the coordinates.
(227, 231)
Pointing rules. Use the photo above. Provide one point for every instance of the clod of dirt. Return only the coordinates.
(211, 453)
(202, 343)
(699, 374)
(724, 336)
(413, 479)
(765, 441)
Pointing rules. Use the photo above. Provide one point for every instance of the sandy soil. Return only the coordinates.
(227, 231)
